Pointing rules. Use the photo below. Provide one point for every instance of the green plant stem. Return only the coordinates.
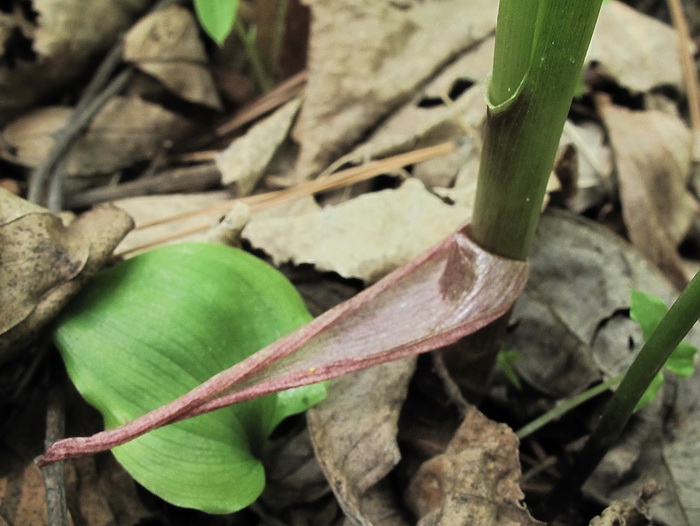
(671, 330)
(257, 68)
(522, 133)
(565, 406)
(512, 53)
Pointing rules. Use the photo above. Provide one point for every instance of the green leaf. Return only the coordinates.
(648, 310)
(505, 360)
(217, 17)
(155, 326)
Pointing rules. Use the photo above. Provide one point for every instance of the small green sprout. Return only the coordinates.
(648, 311)
(504, 361)
(217, 17)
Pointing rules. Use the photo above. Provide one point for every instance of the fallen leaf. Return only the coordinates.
(126, 130)
(619, 514)
(366, 237)
(649, 56)
(582, 323)
(45, 264)
(293, 476)
(245, 160)
(653, 155)
(166, 45)
(442, 111)
(367, 58)
(451, 290)
(40, 51)
(354, 435)
(474, 482)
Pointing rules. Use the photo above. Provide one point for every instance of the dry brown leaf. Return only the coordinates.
(53, 48)
(45, 263)
(354, 436)
(637, 51)
(166, 45)
(365, 238)
(367, 58)
(621, 514)
(568, 335)
(125, 131)
(474, 482)
(444, 118)
(653, 155)
(245, 160)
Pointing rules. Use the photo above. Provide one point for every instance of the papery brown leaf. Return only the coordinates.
(51, 44)
(366, 237)
(474, 482)
(649, 56)
(653, 156)
(354, 435)
(368, 57)
(166, 45)
(44, 263)
(449, 291)
(126, 130)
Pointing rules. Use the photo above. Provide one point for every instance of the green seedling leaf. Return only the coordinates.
(648, 310)
(505, 360)
(452, 290)
(156, 326)
(217, 17)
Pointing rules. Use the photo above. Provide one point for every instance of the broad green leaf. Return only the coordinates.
(155, 326)
(217, 17)
(648, 310)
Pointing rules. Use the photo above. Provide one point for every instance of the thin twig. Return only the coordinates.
(281, 94)
(260, 201)
(191, 179)
(689, 72)
(78, 123)
(54, 475)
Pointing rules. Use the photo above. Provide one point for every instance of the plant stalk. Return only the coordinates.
(523, 131)
(681, 317)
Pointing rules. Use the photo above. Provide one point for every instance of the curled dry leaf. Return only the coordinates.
(45, 263)
(245, 160)
(653, 155)
(451, 290)
(649, 56)
(50, 44)
(621, 513)
(364, 238)
(580, 323)
(354, 435)
(125, 131)
(367, 58)
(166, 45)
(474, 482)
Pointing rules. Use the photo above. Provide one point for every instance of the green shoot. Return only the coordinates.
(661, 344)
(217, 17)
(648, 311)
(504, 361)
(540, 49)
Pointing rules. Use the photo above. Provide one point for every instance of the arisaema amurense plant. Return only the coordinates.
(463, 284)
